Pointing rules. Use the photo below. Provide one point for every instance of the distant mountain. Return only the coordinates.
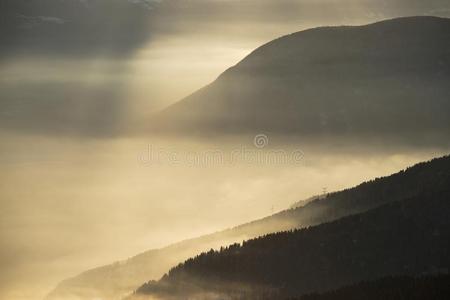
(116, 280)
(408, 237)
(384, 80)
(435, 287)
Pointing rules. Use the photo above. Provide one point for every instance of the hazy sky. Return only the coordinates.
(75, 74)
(92, 67)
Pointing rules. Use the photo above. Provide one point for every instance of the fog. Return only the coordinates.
(78, 186)
(71, 204)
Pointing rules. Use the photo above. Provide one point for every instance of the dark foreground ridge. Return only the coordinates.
(392, 288)
(408, 237)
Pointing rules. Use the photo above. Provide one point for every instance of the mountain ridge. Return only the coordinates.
(385, 79)
(406, 237)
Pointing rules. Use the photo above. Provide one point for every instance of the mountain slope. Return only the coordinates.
(411, 288)
(409, 237)
(388, 79)
(116, 280)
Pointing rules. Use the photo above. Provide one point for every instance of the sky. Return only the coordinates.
(77, 76)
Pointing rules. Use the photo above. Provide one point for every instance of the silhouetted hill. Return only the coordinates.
(392, 288)
(408, 237)
(115, 280)
(384, 80)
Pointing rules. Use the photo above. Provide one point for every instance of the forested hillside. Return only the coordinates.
(121, 278)
(408, 237)
(391, 288)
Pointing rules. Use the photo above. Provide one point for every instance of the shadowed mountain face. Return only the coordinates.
(116, 280)
(409, 237)
(388, 79)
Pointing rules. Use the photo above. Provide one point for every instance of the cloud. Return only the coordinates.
(149, 4)
(30, 22)
(74, 28)
(120, 27)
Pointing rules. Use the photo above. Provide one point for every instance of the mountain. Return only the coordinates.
(407, 237)
(383, 80)
(115, 280)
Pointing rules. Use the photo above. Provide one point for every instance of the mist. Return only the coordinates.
(71, 204)
(82, 185)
